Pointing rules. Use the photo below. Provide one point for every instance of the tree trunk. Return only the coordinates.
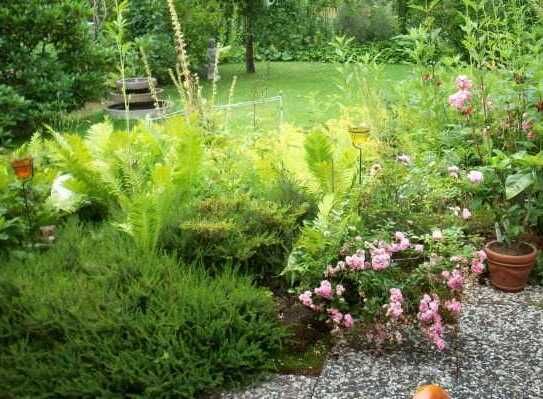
(402, 15)
(250, 47)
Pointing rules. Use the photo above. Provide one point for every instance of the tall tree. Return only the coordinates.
(250, 10)
(402, 15)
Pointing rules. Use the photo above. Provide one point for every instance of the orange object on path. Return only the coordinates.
(431, 392)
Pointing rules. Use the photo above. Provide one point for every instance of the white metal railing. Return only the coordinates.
(278, 99)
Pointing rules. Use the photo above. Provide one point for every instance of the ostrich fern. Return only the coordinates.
(143, 177)
(331, 164)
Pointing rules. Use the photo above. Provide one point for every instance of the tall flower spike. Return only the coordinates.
(182, 57)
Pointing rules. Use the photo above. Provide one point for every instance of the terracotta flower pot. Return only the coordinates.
(431, 392)
(510, 272)
(23, 168)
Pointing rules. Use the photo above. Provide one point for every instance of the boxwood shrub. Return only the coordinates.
(95, 317)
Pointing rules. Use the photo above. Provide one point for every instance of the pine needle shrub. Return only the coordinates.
(97, 317)
(255, 234)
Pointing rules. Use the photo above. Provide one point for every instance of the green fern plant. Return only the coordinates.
(143, 177)
(331, 164)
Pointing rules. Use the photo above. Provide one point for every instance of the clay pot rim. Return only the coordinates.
(20, 162)
(512, 258)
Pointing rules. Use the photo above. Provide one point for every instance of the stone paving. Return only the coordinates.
(501, 357)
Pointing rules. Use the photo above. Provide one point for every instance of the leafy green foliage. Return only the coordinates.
(106, 319)
(367, 20)
(151, 29)
(253, 233)
(49, 65)
(302, 25)
(331, 165)
(20, 220)
(143, 177)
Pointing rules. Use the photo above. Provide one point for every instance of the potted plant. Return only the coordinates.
(510, 258)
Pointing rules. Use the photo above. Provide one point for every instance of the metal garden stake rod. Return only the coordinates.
(27, 209)
(359, 136)
(24, 170)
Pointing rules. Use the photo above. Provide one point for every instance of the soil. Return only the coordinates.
(515, 250)
(306, 349)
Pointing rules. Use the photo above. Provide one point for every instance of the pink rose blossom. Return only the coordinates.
(380, 259)
(325, 290)
(463, 83)
(477, 266)
(394, 248)
(431, 319)
(419, 248)
(453, 306)
(428, 308)
(305, 298)
(455, 280)
(475, 176)
(399, 236)
(356, 262)
(404, 244)
(348, 321)
(396, 295)
(466, 214)
(460, 100)
(335, 315)
(394, 310)
(440, 343)
(340, 289)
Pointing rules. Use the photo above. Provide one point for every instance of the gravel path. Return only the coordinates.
(500, 357)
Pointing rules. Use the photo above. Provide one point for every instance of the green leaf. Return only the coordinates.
(516, 184)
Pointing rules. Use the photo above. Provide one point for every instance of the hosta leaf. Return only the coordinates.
(516, 184)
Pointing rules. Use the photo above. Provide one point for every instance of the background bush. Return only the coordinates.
(368, 20)
(96, 317)
(289, 26)
(50, 66)
(150, 26)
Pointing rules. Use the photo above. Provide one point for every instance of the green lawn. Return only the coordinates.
(308, 89)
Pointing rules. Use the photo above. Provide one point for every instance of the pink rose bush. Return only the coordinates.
(370, 286)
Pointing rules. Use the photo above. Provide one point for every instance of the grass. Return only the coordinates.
(305, 88)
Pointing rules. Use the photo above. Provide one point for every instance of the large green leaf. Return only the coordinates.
(516, 184)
